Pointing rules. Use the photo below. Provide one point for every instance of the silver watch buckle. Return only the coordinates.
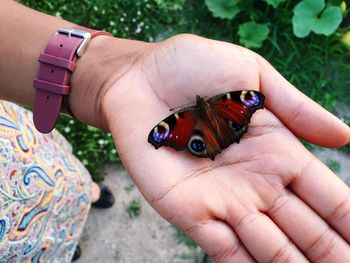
(79, 33)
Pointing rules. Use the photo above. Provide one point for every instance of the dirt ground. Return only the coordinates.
(112, 236)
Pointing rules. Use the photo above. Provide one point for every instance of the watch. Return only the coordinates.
(57, 63)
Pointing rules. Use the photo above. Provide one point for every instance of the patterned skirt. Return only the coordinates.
(45, 191)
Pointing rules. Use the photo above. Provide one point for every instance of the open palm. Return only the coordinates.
(265, 199)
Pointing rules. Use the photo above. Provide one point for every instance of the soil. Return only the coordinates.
(111, 235)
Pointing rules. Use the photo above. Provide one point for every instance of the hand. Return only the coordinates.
(266, 199)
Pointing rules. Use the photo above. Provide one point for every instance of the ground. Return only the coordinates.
(113, 236)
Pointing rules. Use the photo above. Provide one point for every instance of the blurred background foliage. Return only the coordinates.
(308, 41)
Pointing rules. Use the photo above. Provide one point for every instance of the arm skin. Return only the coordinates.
(267, 199)
(23, 41)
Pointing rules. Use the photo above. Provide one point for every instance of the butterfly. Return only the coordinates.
(209, 126)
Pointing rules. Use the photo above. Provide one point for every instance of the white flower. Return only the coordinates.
(122, 19)
(85, 162)
(112, 23)
(114, 151)
(67, 130)
(101, 142)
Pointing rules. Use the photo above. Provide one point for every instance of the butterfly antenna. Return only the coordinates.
(179, 107)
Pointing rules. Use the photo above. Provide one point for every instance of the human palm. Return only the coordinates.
(266, 198)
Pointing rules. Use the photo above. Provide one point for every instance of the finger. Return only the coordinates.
(219, 241)
(326, 194)
(309, 232)
(304, 117)
(264, 240)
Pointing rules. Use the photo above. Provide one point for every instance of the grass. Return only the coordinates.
(334, 165)
(129, 188)
(134, 208)
(192, 255)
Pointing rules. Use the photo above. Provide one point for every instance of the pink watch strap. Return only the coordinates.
(57, 63)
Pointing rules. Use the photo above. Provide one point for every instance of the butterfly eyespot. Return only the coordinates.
(249, 98)
(161, 132)
(196, 145)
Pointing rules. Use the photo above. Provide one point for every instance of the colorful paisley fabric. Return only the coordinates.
(44, 192)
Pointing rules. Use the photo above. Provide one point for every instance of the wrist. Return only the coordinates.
(105, 60)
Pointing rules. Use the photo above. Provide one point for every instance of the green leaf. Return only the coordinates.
(334, 165)
(274, 3)
(223, 8)
(134, 208)
(311, 15)
(252, 35)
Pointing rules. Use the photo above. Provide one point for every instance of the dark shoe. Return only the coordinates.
(207, 259)
(106, 199)
(77, 253)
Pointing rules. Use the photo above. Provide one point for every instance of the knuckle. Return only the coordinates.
(341, 211)
(246, 220)
(321, 246)
(227, 254)
(278, 204)
(283, 254)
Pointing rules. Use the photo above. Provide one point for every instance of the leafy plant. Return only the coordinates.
(346, 38)
(334, 165)
(252, 34)
(192, 257)
(193, 254)
(346, 148)
(311, 15)
(223, 8)
(274, 3)
(182, 238)
(134, 208)
(129, 188)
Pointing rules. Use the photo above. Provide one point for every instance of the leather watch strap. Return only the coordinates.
(57, 63)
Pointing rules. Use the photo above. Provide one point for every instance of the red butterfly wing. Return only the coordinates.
(236, 108)
(186, 130)
(174, 131)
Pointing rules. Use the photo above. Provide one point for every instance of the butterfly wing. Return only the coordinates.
(175, 130)
(235, 109)
(185, 130)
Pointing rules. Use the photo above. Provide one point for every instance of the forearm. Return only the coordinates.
(26, 33)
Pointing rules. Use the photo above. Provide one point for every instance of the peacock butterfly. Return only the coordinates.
(209, 126)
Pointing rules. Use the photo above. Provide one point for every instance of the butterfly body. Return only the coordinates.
(209, 126)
